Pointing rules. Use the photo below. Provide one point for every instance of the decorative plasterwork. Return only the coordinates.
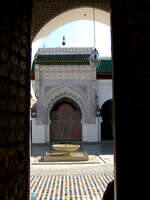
(65, 51)
(53, 82)
(63, 72)
(72, 89)
(66, 92)
(50, 93)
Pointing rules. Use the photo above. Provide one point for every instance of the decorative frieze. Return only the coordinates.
(86, 101)
(65, 72)
(64, 51)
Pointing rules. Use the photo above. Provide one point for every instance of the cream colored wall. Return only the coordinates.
(89, 133)
(38, 132)
(104, 90)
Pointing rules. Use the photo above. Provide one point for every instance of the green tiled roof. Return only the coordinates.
(72, 59)
(105, 66)
(64, 57)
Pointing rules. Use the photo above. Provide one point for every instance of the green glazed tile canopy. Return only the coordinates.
(72, 59)
(105, 65)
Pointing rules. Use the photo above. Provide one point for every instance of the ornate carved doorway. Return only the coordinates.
(65, 121)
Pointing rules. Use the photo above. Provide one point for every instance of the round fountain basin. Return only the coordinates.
(66, 147)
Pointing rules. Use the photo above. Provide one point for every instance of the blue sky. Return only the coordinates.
(81, 34)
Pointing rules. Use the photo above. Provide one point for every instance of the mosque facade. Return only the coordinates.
(70, 93)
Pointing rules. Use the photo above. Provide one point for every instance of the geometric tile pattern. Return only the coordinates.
(70, 187)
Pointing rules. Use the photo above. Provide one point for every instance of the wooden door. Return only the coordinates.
(66, 123)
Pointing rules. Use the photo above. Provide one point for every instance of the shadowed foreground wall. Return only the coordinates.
(131, 90)
(15, 54)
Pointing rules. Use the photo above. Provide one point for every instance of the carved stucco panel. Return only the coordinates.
(63, 72)
(69, 93)
(59, 88)
(83, 95)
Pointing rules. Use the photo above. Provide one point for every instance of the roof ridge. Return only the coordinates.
(65, 50)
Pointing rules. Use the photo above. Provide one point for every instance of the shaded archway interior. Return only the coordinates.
(65, 119)
(45, 11)
(106, 124)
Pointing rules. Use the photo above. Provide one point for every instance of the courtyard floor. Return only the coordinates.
(72, 181)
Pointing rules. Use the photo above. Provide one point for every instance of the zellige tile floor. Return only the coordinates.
(73, 181)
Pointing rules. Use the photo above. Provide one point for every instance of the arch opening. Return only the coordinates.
(83, 13)
(65, 118)
(106, 124)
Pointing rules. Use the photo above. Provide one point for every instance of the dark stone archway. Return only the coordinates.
(15, 62)
(44, 11)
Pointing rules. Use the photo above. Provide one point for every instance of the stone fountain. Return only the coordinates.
(66, 152)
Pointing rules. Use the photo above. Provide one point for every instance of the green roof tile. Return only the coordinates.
(105, 66)
(72, 59)
(64, 57)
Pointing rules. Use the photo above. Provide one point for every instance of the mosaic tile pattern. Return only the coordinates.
(71, 187)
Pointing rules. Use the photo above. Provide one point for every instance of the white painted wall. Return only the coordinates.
(89, 132)
(104, 90)
(38, 132)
